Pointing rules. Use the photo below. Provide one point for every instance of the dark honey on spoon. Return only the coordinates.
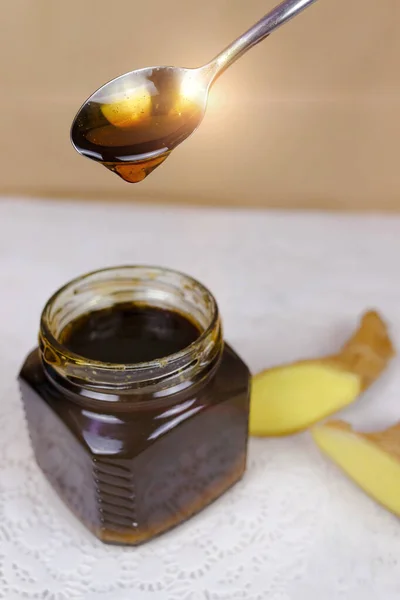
(134, 125)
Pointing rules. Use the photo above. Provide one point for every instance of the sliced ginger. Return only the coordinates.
(372, 460)
(292, 397)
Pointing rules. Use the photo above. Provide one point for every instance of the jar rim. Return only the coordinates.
(60, 355)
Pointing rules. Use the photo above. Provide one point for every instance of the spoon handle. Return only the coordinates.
(271, 21)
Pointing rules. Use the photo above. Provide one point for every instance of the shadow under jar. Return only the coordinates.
(137, 410)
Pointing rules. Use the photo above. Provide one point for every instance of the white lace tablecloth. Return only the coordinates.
(289, 285)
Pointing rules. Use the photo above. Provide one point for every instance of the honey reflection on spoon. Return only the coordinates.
(132, 124)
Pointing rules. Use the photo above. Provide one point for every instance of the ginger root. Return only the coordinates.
(372, 460)
(292, 397)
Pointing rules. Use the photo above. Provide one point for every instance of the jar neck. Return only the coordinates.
(121, 384)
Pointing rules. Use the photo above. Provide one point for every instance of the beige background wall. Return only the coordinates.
(308, 118)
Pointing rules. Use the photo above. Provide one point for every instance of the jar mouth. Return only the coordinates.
(148, 285)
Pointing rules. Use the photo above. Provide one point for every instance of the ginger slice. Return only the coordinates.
(372, 460)
(292, 397)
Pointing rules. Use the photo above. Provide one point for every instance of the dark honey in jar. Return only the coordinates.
(129, 333)
(137, 410)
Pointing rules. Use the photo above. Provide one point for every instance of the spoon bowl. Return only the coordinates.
(132, 124)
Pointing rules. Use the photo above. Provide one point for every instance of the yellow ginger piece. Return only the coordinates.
(372, 460)
(292, 397)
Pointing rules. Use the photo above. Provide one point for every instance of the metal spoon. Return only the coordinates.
(132, 123)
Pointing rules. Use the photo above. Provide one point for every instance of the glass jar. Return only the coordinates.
(135, 449)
